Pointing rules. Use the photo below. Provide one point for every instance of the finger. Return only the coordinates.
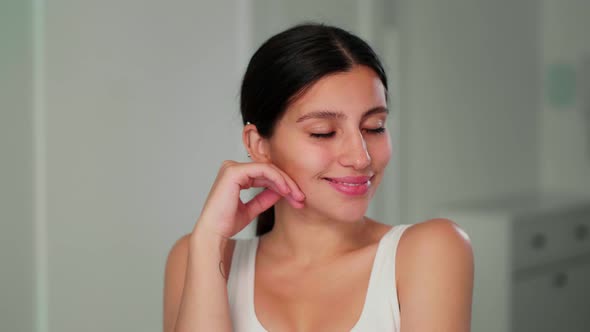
(252, 171)
(295, 203)
(265, 183)
(261, 203)
(297, 194)
(261, 182)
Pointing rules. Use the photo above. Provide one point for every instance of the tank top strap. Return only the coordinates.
(382, 303)
(237, 283)
(240, 286)
(386, 262)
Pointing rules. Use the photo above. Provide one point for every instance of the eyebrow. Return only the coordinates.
(339, 115)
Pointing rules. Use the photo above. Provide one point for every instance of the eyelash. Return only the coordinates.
(330, 134)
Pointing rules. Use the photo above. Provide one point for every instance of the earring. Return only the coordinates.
(247, 123)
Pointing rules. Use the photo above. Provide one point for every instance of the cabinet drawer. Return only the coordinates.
(538, 305)
(577, 225)
(554, 298)
(548, 238)
(538, 241)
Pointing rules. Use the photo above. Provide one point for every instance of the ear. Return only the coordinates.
(257, 146)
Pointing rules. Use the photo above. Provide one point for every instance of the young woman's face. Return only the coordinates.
(332, 141)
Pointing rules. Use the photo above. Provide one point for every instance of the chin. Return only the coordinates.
(348, 213)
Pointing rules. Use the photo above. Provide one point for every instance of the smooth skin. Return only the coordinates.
(312, 270)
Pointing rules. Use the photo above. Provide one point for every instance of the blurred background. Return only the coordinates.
(116, 114)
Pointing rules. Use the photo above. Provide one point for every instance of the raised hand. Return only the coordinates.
(224, 214)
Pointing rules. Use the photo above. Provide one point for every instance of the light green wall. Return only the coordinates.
(565, 130)
(16, 160)
(469, 101)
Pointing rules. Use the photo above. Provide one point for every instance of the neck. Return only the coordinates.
(307, 238)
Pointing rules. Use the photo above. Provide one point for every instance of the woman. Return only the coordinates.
(314, 107)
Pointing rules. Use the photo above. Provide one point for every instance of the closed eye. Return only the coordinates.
(376, 130)
(326, 135)
(332, 133)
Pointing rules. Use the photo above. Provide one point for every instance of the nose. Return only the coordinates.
(355, 153)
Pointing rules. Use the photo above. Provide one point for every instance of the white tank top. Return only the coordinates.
(380, 311)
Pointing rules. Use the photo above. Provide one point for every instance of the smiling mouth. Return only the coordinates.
(346, 183)
(357, 186)
(351, 182)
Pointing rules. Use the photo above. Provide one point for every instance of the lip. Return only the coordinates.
(351, 185)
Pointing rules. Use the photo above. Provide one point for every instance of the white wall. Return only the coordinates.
(16, 167)
(565, 130)
(141, 109)
(469, 92)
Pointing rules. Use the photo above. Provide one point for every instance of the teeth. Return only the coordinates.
(346, 183)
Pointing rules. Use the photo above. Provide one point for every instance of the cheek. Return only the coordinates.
(301, 160)
(380, 152)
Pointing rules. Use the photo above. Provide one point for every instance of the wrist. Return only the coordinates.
(206, 240)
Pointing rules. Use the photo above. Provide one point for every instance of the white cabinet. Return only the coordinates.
(532, 262)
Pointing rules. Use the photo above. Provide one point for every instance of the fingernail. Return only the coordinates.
(301, 195)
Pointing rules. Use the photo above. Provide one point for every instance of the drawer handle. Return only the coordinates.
(560, 280)
(581, 232)
(538, 241)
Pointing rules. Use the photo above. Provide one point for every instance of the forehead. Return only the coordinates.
(352, 92)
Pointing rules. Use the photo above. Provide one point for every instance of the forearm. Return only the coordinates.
(204, 305)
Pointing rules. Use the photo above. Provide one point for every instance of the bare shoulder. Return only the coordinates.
(174, 280)
(434, 272)
(444, 234)
(178, 253)
(430, 240)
